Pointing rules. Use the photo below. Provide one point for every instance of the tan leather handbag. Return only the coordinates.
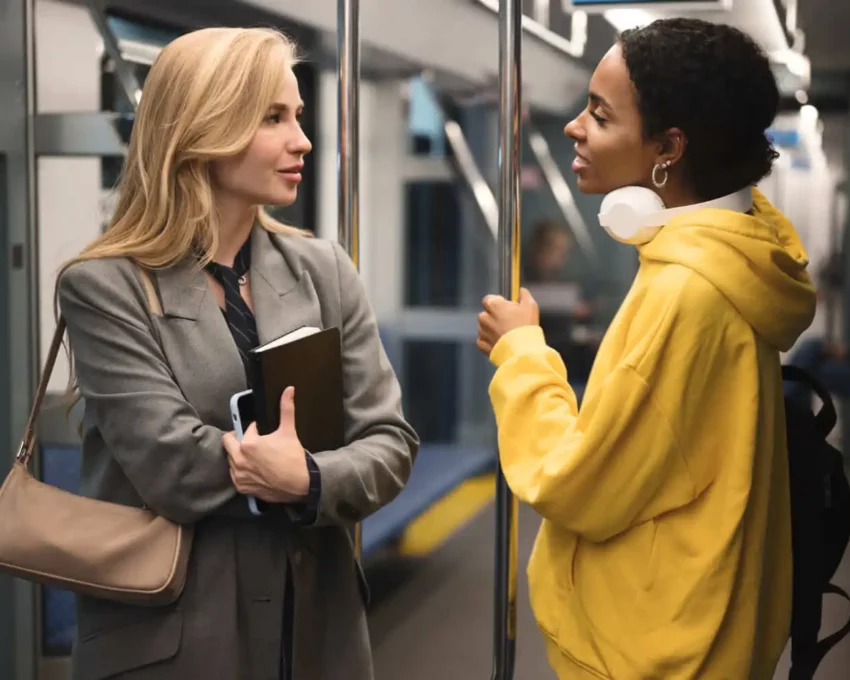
(87, 546)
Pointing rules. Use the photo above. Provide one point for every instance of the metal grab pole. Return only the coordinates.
(348, 145)
(510, 81)
(348, 69)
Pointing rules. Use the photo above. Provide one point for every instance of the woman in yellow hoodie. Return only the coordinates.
(665, 547)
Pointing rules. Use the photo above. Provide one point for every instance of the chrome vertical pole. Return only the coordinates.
(510, 105)
(348, 146)
(348, 55)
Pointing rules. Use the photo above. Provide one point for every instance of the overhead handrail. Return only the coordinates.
(510, 136)
(348, 145)
(123, 71)
(467, 168)
(562, 193)
(473, 177)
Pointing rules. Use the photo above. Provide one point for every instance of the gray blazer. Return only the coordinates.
(157, 392)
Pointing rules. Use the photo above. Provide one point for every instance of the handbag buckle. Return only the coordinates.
(22, 456)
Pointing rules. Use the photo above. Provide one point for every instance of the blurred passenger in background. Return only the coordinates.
(560, 294)
(665, 550)
(549, 250)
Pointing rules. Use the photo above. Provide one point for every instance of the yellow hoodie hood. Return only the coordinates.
(757, 261)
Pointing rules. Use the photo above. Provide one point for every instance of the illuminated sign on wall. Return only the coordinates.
(676, 5)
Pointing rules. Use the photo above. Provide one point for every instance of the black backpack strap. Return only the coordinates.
(805, 662)
(829, 642)
(827, 417)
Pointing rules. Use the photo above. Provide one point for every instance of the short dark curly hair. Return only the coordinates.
(715, 84)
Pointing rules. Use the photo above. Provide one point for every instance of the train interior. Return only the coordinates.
(429, 180)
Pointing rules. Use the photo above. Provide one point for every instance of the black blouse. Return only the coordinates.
(243, 327)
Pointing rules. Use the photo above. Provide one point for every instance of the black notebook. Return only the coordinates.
(310, 360)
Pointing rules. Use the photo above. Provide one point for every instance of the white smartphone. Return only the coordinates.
(242, 413)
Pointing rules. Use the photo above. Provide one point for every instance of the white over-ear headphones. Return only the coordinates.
(635, 214)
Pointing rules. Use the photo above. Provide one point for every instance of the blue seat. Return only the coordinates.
(60, 467)
(439, 468)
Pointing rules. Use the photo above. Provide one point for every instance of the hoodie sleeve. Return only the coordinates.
(621, 461)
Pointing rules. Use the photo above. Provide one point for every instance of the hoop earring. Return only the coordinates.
(660, 184)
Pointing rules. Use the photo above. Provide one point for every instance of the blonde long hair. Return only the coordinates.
(204, 98)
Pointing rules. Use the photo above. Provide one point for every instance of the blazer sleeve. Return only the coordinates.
(374, 466)
(176, 463)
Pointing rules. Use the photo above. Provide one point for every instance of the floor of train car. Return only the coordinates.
(432, 617)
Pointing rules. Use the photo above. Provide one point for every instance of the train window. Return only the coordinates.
(139, 43)
(113, 99)
(448, 266)
(433, 244)
(433, 206)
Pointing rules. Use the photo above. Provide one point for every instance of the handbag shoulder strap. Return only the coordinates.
(25, 449)
(28, 440)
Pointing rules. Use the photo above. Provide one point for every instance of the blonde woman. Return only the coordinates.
(274, 595)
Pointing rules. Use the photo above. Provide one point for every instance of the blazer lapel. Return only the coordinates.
(283, 293)
(198, 343)
(196, 339)
(182, 289)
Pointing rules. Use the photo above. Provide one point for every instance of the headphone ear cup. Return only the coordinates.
(627, 214)
(622, 221)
